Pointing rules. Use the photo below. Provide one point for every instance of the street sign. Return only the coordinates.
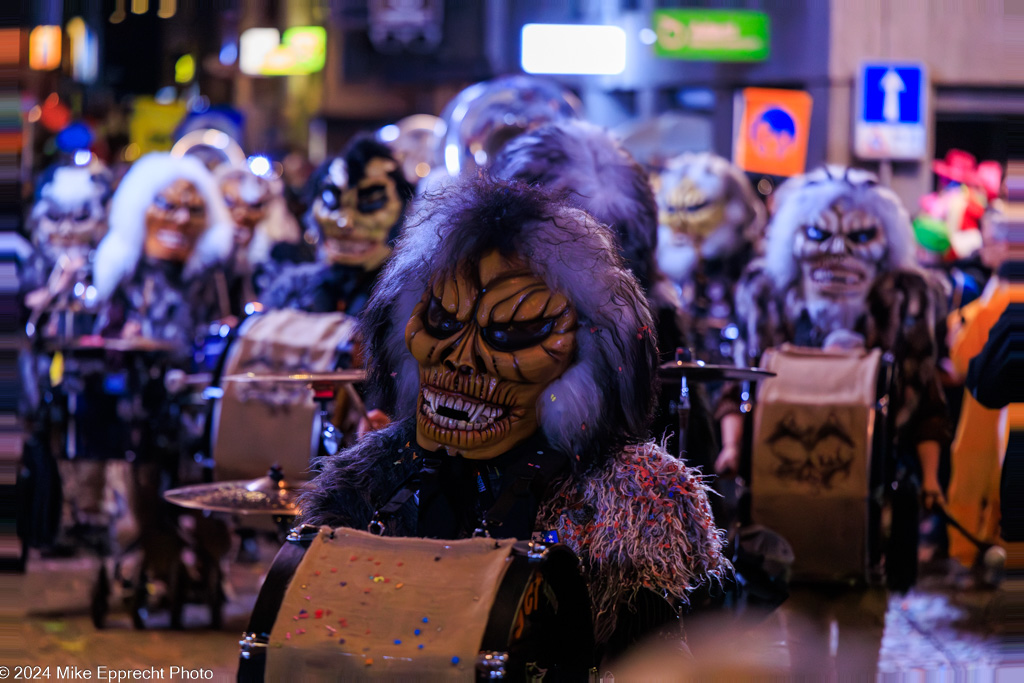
(891, 119)
(772, 130)
(712, 35)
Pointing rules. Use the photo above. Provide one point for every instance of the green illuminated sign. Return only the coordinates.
(712, 35)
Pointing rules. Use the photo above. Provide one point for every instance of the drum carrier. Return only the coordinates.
(341, 603)
(823, 470)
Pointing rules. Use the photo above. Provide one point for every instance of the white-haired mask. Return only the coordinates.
(706, 201)
(70, 214)
(836, 232)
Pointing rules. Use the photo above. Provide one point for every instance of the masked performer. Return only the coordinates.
(839, 271)
(67, 221)
(710, 222)
(515, 351)
(355, 212)
(583, 161)
(262, 222)
(169, 231)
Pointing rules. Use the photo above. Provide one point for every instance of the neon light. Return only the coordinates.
(44, 48)
(185, 69)
(255, 44)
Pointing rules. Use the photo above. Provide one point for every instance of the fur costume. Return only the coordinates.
(587, 165)
(327, 285)
(169, 301)
(583, 161)
(638, 517)
(67, 221)
(710, 225)
(121, 250)
(837, 231)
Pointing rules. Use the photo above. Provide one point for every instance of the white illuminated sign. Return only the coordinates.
(573, 49)
(254, 46)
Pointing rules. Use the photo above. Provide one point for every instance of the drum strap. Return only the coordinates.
(530, 483)
(403, 494)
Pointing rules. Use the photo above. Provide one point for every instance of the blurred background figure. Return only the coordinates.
(710, 225)
(417, 142)
(256, 201)
(484, 117)
(356, 206)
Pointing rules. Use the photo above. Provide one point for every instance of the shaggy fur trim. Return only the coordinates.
(72, 186)
(805, 197)
(118, 254)
(641, 522)
(605, 398)
(644, 521)
(580, 158)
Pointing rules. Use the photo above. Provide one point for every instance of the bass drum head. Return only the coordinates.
(541, 617)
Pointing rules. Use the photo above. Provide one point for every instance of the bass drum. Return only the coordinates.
(340, 604)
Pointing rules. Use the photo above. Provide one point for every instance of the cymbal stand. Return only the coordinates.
(330, 436)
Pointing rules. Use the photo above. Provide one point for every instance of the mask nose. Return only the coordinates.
(463, 360)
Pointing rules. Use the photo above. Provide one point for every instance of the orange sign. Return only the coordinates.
(773, 129)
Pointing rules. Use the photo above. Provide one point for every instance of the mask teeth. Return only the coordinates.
(476, 410)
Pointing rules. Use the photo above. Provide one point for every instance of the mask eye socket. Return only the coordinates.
(330, 198)
(815, 233)
(862, 236)
(372, 198)
(54, 216)
(161, 203)
(698, 207)
(439, 323)
(83, 215)
(516, 336)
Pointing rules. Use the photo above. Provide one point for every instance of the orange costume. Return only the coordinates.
(981, 434)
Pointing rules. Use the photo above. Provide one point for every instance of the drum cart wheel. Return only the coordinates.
(99, 599)
(139, 601)
(177, 593)
(215, 596)
(901, 545)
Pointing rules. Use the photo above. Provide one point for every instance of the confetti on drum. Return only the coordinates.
(417, 610)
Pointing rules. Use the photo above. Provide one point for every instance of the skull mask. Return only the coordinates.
(691, 211)
(248, 196)
(707, 202)
(70, 217)
(840, 252)
(356, 218)
(487, 343)
(174, 222)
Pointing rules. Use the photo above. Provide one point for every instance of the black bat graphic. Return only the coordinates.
(820, 471)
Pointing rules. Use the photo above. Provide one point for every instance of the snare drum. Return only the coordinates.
(340, 604)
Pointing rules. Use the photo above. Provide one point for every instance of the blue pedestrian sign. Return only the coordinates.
(891, 120)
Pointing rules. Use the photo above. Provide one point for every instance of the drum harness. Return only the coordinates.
(532, 480)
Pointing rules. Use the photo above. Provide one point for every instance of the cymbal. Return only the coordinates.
(704, 372)
(269, 495)
(96, 344)
(350, 375)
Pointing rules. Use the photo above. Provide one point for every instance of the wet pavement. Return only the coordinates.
(936, 632)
